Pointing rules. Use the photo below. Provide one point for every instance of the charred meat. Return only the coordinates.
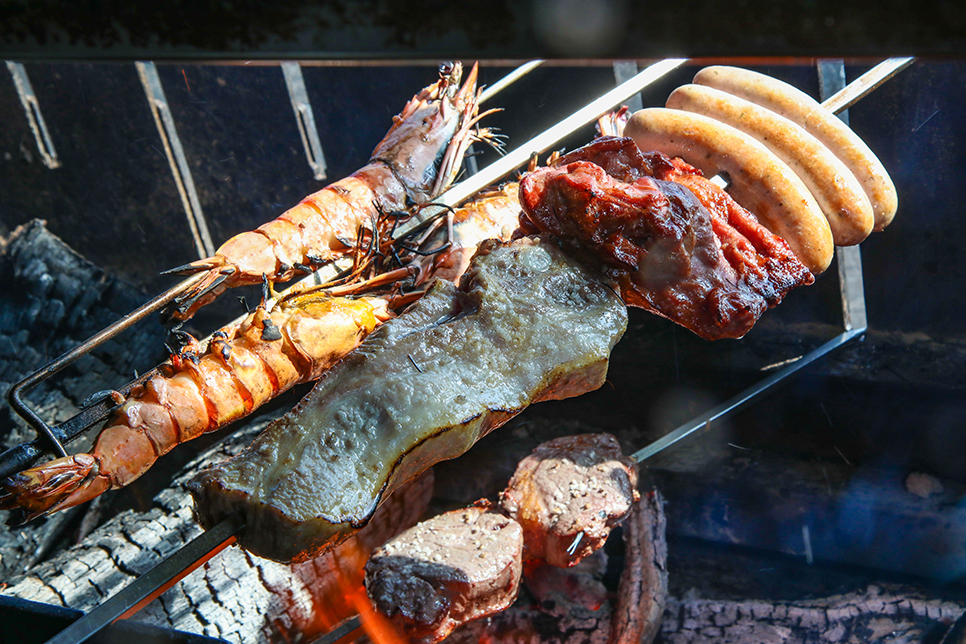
(568, 495)
(677, 245)
(446, 571)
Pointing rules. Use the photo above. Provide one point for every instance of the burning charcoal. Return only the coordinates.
(446, 571)
(569, 494)
(577, 592)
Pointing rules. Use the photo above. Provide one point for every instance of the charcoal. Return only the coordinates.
(55, 299)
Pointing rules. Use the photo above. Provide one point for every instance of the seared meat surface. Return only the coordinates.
(678, 245)
(528, 323)
(568, 495)
(447, 571)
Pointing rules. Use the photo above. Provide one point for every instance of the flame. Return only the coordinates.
(379, 629)
(348, 573)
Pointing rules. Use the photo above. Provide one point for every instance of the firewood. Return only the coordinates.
(873, 614)
(235, 596)
(642, 594)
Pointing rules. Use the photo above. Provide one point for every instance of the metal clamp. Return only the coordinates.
(34, 117)
(305, 118)
(148, 72)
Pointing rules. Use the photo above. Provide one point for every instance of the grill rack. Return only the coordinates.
(50, 440)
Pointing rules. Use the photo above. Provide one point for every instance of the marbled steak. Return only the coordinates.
(526, 324)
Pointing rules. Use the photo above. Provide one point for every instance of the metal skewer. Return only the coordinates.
(153, 583)
(544, 141)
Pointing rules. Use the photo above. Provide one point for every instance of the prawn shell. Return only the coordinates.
(180, 396)
(313, 226)
(253, 255)
(221, 391)
(124, 446)
(287, 244)
(280, 367)
(251, 372)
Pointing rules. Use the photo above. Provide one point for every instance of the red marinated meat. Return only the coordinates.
(677, 245)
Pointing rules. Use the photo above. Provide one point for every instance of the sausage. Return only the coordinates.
(801, 108)
(760, 181)
(837, 191)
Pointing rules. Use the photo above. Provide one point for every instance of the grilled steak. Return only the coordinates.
(526, 324)
(568, 495)
(446, 571)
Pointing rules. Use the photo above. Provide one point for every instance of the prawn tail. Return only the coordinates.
(52, 486)
(218, 273)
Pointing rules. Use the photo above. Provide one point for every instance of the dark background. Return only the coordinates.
(867, 416)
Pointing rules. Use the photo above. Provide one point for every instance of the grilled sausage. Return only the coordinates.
(837, 191)
(760, 181)
(801, 108)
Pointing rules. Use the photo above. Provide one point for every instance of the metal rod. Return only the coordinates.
(148, 72)
(347, 630)
(304, 117)
(15, 395)
(831, 75)
(741, 400)
(542, 142)
(35, 119)
(509, 79)
(154, 582)
(865, 83)
(624, 70)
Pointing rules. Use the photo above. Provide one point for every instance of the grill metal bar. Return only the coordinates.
(148, 73)
(624, 70)
(154, 582)
(130, 599)
(831, 77)
(305, 117)
(35, 119)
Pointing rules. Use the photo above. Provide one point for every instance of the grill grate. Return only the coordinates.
(51, 440)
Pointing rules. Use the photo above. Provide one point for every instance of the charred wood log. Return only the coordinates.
(642, 594)
(52, 300)
(573, 605)
(890, 519)
(235, 596)
(874, 614)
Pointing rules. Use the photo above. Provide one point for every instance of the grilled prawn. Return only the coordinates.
(420, 154)
(244, 365)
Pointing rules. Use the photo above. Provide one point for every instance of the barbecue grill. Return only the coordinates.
(696, 387)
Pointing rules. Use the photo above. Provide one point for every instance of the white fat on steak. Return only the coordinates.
(446, 571)
(526, 324)
(568, 495)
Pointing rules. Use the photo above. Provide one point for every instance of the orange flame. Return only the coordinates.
(349, 575)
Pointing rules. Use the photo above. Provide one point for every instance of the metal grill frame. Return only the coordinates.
(50, 440)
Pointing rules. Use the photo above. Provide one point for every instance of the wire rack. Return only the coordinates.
(51, 440)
